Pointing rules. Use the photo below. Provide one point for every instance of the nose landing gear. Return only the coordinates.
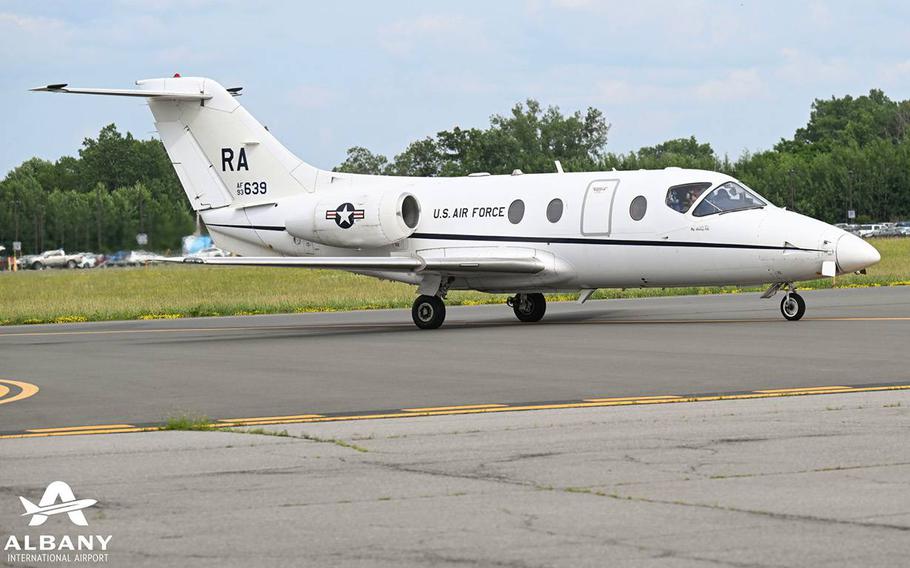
(792, 306)
(528, 307)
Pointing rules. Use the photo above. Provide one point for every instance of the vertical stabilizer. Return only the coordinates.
(221, 154)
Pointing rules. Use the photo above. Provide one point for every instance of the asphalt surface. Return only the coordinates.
(145, 371)
(796, 481)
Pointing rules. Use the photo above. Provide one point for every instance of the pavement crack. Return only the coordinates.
(336, 441)
(814, 470)
(755, 512)
(475, 476)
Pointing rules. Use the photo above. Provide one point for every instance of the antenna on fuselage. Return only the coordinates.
(559, 167)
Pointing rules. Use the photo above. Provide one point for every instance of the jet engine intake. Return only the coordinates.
(357, 220)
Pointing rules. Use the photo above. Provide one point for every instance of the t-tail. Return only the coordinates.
(222, 155)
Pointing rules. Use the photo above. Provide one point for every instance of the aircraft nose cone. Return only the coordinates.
(853, 253)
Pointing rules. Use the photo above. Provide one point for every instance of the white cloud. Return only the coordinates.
(893, 73)
(312, 96)
(737, 85)
(452, 32)
(800, 67)
(31, 38)
(821, 15)
(621, 92)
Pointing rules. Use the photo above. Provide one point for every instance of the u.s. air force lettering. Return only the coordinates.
(473, 212)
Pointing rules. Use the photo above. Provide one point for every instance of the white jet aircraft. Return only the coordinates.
(521, 234)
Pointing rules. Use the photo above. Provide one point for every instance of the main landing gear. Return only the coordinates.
(528, 307)
(428, 312)
(792, 306)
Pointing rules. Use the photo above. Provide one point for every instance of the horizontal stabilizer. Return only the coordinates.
(385, 263)
(163, 95)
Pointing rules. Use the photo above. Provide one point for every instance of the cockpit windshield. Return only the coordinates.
(681, 197)
(728, 197)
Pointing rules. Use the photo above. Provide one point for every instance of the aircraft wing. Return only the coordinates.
(527, 265)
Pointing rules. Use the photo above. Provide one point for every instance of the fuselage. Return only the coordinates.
(510, 233)
(615, 229)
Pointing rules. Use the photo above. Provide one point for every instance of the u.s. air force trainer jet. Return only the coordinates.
(521, 234)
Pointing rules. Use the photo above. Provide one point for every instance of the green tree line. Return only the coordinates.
(854, 153)
(117, 187)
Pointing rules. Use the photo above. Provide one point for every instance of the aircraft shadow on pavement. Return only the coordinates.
(316, 331)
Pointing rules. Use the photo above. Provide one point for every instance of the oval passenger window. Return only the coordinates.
(638, 208)
(554, 210)
(516, 211)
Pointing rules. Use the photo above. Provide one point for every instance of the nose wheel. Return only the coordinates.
(428, 312)
(792, 306)
(528, 307)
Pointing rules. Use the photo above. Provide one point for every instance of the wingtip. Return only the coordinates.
(51, 87)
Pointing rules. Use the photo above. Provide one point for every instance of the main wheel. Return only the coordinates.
(793, 306)
(529, 307)
(428, 312)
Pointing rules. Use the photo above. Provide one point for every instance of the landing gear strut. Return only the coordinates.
(428, 312)
(528, 307)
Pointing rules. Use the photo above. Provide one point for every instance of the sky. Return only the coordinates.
(325, 76)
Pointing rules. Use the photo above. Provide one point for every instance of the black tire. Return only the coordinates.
(793, 306)
(71, 264)
(529, 307)
(428, 312)
(37, 266)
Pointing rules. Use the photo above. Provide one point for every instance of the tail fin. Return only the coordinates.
(222, 155)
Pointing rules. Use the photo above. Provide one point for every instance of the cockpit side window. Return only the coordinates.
(728, 197)
(681, 197)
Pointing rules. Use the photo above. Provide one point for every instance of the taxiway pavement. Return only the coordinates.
(139, 372)
(796, 481)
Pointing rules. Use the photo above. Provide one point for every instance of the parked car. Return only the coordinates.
(50, 259)
(210, 252)
(116, 259)
(904, 227)
(849, 227)
(867, 230)
(140, 257)
(89, 259)
(887, 231)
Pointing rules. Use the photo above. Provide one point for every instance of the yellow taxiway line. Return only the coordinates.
(25, 390)
(461, 410)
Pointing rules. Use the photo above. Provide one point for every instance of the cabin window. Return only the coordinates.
(554, 210)
(726, 198)
(516, 211)
(681, 197)
(638, 208)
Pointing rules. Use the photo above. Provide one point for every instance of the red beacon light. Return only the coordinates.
(176, 75)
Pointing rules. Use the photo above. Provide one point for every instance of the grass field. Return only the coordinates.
(174, 291)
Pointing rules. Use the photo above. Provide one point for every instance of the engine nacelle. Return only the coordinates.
(356, 220)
